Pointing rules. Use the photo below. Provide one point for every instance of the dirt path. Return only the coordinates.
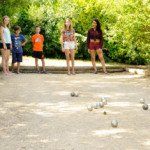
(37, 112)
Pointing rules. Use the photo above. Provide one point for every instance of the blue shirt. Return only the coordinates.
(17, 43)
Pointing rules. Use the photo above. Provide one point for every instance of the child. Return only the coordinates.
(69, 44)
(18, 40)
(37, 41)
(5, 44)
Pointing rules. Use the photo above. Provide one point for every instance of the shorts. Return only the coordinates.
(7, 45)
(69, 45)
(94, 46)
(16, 57)
(39, 55)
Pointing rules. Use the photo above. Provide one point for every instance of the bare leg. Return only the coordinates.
(13, 67)
(36, 64)
(72, 54)
(92, 52)
(101, 58)
(4, 61)
(67, 53)
(7, 61)
(43, 65)
(18, 67)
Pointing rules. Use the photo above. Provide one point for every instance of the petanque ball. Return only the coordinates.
(101, 104)
(96, 105)
(114, 123)
(73, 94)
(145, 107)
(104, 113)
(90, 108)
(104, 100)
(142, 101)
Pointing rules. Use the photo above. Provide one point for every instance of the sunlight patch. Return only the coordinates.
(102, 133)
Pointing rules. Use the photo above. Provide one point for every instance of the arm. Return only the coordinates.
(24, 42)
(2, 37)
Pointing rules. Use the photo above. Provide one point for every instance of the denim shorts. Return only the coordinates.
(16, 57)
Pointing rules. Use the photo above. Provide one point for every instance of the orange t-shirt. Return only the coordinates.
(37, 40)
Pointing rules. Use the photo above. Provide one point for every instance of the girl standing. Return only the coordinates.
(95, 43)
(5, 44)
(69, 44)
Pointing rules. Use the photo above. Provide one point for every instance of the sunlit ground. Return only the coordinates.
(37, 112)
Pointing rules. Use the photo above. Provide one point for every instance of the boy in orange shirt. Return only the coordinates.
(37, 41)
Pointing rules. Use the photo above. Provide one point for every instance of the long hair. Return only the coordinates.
(2, 24)
(70, 27)
(98, 27)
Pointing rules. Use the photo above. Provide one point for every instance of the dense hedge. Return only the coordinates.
(126, 25)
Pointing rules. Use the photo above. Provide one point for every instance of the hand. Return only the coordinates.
(63, 50)
(10, 46)
(89, 51)
(23, 44)
(4, 46)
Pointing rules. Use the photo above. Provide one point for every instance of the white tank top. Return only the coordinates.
(6, 34)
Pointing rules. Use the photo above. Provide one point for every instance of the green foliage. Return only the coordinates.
(125, 24)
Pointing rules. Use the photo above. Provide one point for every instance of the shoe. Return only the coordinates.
(37, 71)
(96, 72)
(44, 72)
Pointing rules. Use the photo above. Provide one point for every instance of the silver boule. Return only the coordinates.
(96, 105)
(101, 104)
(114, 123)
(142, 101)
(90, 108)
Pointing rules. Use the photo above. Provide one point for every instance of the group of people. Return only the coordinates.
(14, 43)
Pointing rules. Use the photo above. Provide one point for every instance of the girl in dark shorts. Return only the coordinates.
(5, 44)
(95, 44)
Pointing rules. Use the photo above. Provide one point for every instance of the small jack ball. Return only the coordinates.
(73, 94)
(104, 113)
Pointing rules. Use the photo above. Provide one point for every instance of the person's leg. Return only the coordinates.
(101, 58)
(3, 52)
(72, 55)
(13, 61)
(7, 61)
(18, 67)
(36, 65)
(67, 53)
(43, 64)
(92, 52)
(13, 67)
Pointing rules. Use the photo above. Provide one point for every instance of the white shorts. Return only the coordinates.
(69, 45)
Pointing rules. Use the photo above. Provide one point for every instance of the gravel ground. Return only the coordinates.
(38, 113)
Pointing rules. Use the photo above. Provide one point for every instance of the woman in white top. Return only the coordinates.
(69, 44)
(5, 44)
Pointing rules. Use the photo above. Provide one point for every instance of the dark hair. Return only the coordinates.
(98, 27)
(16, 28)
